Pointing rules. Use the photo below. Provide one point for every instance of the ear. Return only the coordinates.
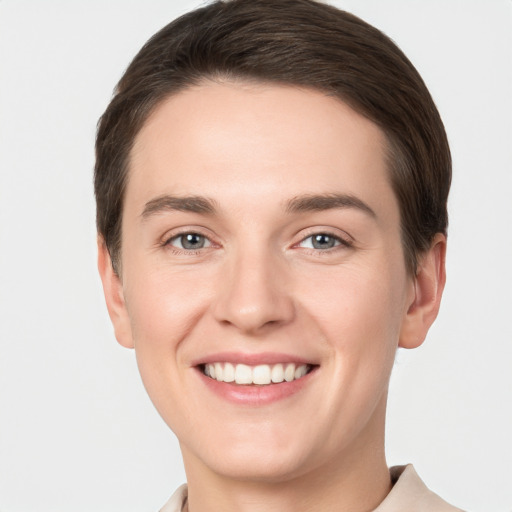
(426, 292)
(114, 296)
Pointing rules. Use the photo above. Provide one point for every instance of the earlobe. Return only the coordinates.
(114, 296)
(428, 286)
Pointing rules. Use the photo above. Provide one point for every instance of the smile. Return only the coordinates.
(262, 374)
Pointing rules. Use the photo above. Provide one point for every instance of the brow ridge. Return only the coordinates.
(320, 202)
(298, 204)
(164, 203)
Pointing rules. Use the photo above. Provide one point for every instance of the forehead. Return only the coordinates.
(223, 139)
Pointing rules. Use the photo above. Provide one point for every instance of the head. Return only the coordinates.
(271, 183)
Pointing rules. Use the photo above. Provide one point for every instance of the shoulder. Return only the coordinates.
(411, 494)
(177, 501)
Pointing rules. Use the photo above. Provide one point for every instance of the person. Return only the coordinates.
(271, 182)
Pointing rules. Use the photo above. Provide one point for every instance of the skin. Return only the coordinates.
(259, 285)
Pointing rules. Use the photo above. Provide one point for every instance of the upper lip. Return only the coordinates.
(251, 359)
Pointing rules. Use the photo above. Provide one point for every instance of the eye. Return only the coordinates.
(189, 241)
(322, 241)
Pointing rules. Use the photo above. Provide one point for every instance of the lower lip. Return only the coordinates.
(255, 394)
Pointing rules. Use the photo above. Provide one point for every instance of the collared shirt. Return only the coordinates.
(409, 494)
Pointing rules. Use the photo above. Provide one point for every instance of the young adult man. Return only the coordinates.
(271, 183)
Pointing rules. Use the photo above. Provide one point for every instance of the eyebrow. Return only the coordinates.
(298, 204)
(167, 203)
(320, 202)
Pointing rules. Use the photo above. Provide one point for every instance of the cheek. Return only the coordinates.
(164, 307)
(163, 303)
(360, 312)
(357, 302)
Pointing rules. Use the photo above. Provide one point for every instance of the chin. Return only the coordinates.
(266, 468)
(256, 458)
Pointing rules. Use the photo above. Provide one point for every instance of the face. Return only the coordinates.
(263, 282)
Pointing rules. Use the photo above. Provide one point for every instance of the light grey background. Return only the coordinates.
(77, 431)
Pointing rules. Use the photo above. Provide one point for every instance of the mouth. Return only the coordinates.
(257, 375)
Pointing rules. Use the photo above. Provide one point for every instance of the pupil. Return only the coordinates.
(323, 241)
(192, 241)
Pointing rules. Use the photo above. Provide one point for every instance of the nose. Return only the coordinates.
(254, 294)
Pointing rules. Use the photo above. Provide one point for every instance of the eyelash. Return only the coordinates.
(182, 250)
(339, 243)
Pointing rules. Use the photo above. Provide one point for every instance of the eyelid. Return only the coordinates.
(343, 238)
(180, 236)
(325, 230)
(169, 236)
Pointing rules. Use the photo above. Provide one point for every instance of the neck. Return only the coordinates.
(356, 480)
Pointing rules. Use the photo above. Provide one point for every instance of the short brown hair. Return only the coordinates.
(296, 42)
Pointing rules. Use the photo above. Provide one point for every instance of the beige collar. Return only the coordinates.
(408, 493)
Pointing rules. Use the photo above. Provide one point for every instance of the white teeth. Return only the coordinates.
(262, 374)
(243, 374)
(218, 371)
(289, 372)
(300, 371)
(229, 372)
(278, 373)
